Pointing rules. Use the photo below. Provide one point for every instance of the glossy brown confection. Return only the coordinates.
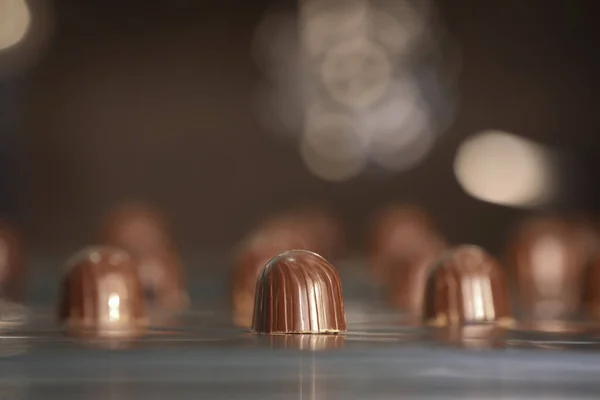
(399, 236)
(101, 295)
(299, 292)
(12, 264)
(143, 232)
(467, 286)
(547, 258)
(252, 255)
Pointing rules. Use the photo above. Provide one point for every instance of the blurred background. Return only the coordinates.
(220, 112)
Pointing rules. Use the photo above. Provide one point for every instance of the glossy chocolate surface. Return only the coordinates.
(12, 264)
(299, 292)
(101, 295)
(467, 286)
(251, 257)
(143, 232)
(547, 260)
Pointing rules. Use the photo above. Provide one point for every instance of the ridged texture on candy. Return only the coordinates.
(101, 295)
(467, 286)
(299, 292)
(251, 257)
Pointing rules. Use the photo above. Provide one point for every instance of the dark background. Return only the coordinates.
(153, 100)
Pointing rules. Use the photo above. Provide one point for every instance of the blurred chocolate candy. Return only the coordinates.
(101, 295)
(12, 264)
(143, 232)
(467, 286)
(402, 236)
(590, 302)
(547, 257)
(407, 277)
(252, 255)
(299, 292)
(321, 231)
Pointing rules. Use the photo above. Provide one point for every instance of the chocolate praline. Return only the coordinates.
(467, 286)
(251, 256)
(101, 295)
(299, 292)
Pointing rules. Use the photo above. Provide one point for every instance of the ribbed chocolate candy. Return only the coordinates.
(402, 235)
(252, 255)
(101, 295)
(467, 286)
(299, 292)
(547, 258)
(12, 264)
(143, 232)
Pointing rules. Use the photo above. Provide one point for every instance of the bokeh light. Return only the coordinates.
(15, 19)
(357, 72)
(324, 23)
(332, 148)
(502, 168)
(364, 59)
(400, 131)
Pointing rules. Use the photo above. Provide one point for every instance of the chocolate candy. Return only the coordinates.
(407, 278)
(402, 235)
(143, 233)
(101, 295)
(299, 292)
(547, 258)
(251, 257)
(467, 286)
(12, 264)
